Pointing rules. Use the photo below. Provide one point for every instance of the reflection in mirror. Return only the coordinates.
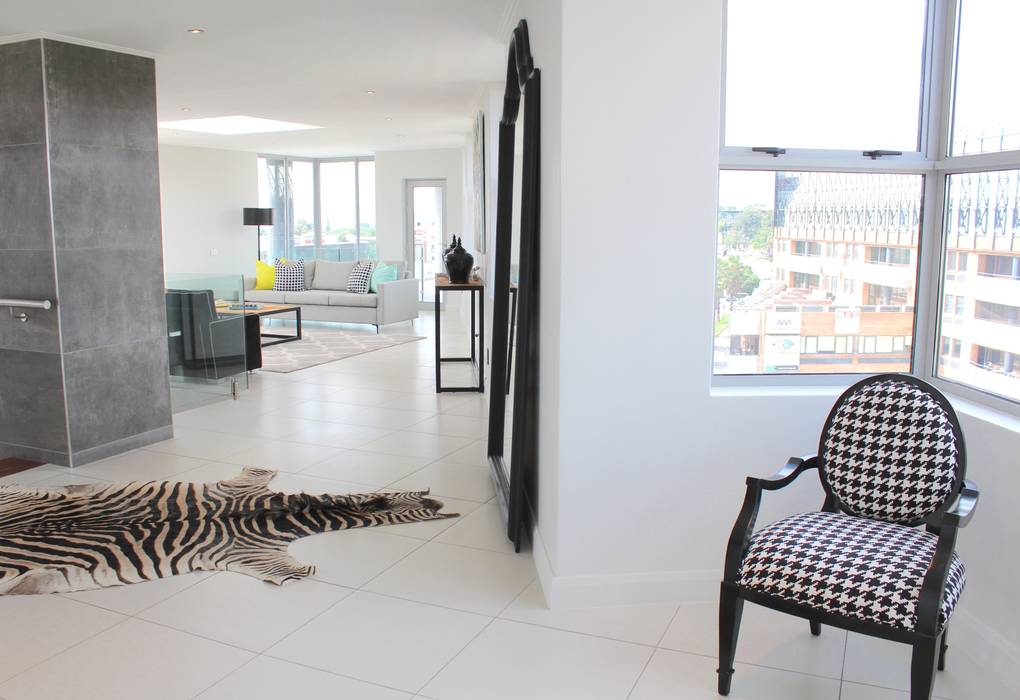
(515, 272)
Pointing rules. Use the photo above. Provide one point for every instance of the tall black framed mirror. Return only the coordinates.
(512, 443)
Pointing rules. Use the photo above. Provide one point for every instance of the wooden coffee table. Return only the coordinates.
(223, 308)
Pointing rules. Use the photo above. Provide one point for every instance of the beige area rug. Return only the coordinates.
(321, 345)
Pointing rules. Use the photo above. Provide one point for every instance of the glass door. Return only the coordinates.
(426, 226)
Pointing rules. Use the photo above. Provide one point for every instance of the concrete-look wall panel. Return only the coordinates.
(110, 296)
(100, 98)
(105, 197)
(117, 392)
(24, 198)
(22, 111)
(32, 401)
(28, 274)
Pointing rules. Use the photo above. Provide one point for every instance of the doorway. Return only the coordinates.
(426, 230)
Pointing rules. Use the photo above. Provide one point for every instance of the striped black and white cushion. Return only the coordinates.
(860, 568)
(890, 452)
(290, 276)
(361, 275)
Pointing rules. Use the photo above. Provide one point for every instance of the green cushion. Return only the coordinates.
(382, 273)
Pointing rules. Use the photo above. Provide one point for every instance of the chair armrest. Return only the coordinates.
(933, 588)
(966, 504)
(786, 476)
(398, 301)
(744, 525)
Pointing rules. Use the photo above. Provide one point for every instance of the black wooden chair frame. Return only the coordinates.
(928, 641)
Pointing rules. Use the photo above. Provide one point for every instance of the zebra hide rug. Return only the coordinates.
(74, 538)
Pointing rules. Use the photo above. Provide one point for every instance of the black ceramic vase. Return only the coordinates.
(449, 249)
(459, 263)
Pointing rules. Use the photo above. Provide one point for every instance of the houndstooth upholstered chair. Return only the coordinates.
(890, 459)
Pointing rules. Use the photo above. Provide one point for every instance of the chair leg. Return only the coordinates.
(816, 627)
(922, 668)
(731, 606)
(943, 645)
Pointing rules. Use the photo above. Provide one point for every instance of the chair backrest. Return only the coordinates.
(892, 450)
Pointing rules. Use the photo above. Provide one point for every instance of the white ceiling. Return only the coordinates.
(308, 61)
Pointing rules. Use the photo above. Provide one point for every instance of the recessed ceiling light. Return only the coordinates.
(185, 109)
(196, 30)
(234, 124)
(389, 119)
(369, 92)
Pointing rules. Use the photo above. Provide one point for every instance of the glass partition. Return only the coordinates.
(205, 338)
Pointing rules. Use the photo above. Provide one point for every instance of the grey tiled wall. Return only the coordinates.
(80, 224)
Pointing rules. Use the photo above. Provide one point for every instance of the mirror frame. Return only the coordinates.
(516, 494)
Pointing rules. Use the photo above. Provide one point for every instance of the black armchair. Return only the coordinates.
(891, 458)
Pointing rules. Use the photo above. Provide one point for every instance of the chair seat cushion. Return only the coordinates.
(837, 563)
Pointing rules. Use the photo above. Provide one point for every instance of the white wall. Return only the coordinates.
(642, 465)
(203, 191)
(392, 170)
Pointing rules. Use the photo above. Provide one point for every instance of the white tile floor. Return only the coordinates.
(441, 609)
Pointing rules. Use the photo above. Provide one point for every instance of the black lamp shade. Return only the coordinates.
(255, 216)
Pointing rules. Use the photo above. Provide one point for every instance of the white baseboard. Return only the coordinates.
(604, 590)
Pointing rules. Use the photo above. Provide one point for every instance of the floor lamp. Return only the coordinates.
(256, 216)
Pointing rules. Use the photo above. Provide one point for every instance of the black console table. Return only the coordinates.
(473, 288)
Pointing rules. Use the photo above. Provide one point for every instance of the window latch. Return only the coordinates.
(771, 150)
(878, 153)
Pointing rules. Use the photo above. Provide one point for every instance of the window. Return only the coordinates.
(789, 289)
(975, 202)
(838, 144)
(884, 255)
(998, 313)
(324, 209)
(801, 74)
(986, 117)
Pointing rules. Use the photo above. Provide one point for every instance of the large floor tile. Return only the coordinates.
(39, 626)
(352, 557)
(244, 612)
(482, 529)
(273, 679)
(640, 624)
(134, 598)
(280, 454)
(366, 467)
(213, 471)
(139, 465)
(450, 479)
(474, 454)
(509, 661)
(33, 476)
(383, 640)
(458, 426)
(458, 577)
(315, 432)
(202, 444)
(767, 638)
(408, 444)
(349, 414)
(672, 674)
(134, 659)
(301, 483)
(886, 664)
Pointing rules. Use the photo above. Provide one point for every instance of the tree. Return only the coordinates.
(752, 227)
(734, 277)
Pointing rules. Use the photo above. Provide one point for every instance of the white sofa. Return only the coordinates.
(326, 297)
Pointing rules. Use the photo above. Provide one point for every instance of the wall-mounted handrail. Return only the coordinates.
(27, 303)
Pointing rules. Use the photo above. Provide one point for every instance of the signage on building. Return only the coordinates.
(782, 353)
(848, 321)
(783, 322)
(745, 322)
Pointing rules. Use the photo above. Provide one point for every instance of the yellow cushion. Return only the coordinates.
(265, 275)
